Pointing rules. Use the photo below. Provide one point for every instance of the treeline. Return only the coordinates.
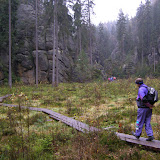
(137, 40)
(122, 48)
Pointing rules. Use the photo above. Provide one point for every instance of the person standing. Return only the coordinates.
(144, 112)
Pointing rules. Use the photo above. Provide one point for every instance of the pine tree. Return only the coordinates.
(37, 43)
(102, 43)
(148, 28)
(156, 22)
(89, 24)
(10, 45)
(7, 39)
(54, 42)
(144, 29)
(121, 31)
(77, 8)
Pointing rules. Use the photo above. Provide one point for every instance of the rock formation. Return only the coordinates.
(26, 54)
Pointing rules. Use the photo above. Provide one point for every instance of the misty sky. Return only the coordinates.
(107, 10)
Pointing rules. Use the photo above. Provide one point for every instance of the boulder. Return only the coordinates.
(25, 16)
(41, 39)
(50, 55)
(1, 75)
(26, 76)
(50, 65)
(42, 60)
(43, 77)
(45, 38)
(25, 61)
(26, 42)
(25, 22)
(49, 38)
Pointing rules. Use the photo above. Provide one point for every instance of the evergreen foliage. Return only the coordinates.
(83, 69)
(121, 30)
(114, 43)
(4, 25)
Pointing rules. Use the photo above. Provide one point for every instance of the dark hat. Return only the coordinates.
(139, 81)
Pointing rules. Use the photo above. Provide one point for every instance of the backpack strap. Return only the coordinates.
(146, 88)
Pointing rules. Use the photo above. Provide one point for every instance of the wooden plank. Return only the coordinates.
(70, 121)
(24, 107)
(140, 141)
(86, 128)
(67, 120)
(3, 97)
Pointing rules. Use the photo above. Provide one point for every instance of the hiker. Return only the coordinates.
(111, 79)
(144, 112)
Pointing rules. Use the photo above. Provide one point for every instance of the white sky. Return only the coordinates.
(108, 10)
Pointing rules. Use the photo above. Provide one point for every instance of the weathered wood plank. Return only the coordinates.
(86, 128)
(140, 141)
(67, 120)
(70, 121)
(3, 97)
(24, 107)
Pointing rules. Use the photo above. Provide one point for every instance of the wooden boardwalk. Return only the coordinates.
(86, 128)
(57, 116)
(141, 141)
(1, 98)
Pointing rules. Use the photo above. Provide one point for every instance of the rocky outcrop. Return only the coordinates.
(27, 77)
(26, 54)
(42, 60)
(1, 76)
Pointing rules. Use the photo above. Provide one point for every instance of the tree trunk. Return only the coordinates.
(80, 40)
(142, 57)
(142, 49)
(79, 32)
(123, 45)
(54, 41)
(36, 45)
(10, 45)
(90, 43)
(154, 61)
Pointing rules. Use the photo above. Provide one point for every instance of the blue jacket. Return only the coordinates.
(142, 91)
(141, 97)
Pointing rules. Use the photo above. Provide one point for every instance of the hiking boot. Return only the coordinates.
(150, 138)
(135, 135)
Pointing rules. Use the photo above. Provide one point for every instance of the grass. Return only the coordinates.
(33, 135)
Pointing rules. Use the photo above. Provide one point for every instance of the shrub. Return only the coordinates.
(38, 118)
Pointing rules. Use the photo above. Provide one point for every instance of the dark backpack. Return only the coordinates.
(152, 95)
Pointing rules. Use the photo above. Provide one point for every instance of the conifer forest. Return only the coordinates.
(55, 60)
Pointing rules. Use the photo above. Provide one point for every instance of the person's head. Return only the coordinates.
(139, 81)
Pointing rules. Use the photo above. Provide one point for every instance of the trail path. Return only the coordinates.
(82, 127)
